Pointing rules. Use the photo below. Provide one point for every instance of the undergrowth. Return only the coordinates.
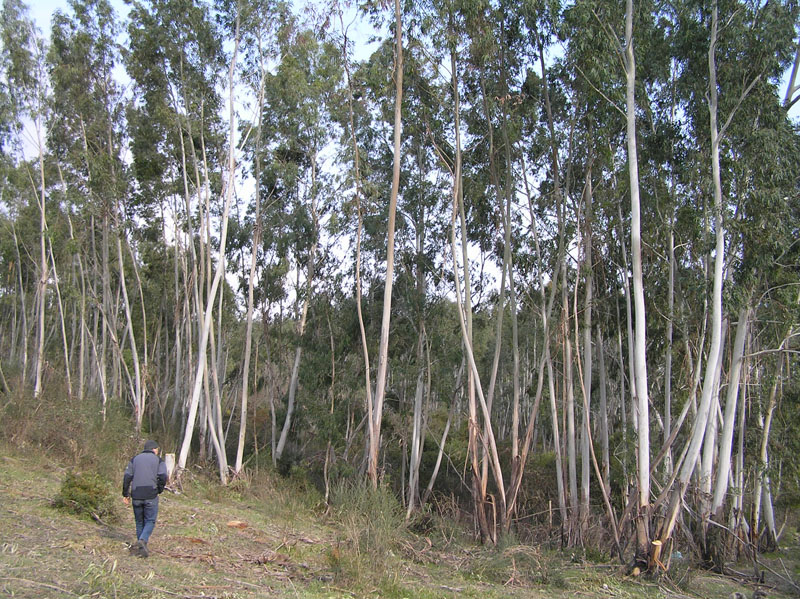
(372, 525)
(87, 495)
(80, 433)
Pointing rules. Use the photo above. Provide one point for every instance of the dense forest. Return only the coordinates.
(536, 260)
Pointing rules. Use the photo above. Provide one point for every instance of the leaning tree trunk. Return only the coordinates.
(761, 493)
(208, 314)
(237, 468)
(695, 442)
(301, 327)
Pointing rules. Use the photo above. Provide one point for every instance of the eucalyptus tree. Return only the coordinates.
(505, 107)
(640, 341)
(419, 240)
(256, 25)
(356, 113)
(742, 63)
(18, 79)
(375, 92)
(383, 347)
(446, 25)
(87, 137)
(495, 77)
(546, 130)
(177, 65)
(298, 127)
(759, 155)
(369, 123)
(27, 89)
(596, 95)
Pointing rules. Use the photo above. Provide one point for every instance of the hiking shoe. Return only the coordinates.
(142, 545)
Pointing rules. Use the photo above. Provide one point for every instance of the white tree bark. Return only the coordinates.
(586, 387)
(640, 339)
(301, 327)
(383, 349)
(43, 270)
(357, 167)
(726, 441)
(208, 313)
(694, 445)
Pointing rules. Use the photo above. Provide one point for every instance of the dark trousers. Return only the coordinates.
(145, 511)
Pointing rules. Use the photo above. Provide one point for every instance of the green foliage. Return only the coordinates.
(88, 495)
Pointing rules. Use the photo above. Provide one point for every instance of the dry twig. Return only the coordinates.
(41, 584)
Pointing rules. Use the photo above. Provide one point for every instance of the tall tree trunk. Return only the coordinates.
(640, 342)
(208, 314)
(726, 441)
(43, 270)
(383, 349)
(668, 358)
(359, 230)
(569, 407)
(301, 327)
(237, 468)
(701, 420)
(586, 387)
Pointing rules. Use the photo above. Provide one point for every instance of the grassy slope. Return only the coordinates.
(286, 549)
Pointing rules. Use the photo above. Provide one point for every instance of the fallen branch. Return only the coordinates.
(783, 578)
(41, 584)
(184, 595)
(247, 584)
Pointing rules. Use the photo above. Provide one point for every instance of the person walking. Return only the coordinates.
(144, 479)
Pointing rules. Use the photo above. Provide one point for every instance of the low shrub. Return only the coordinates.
(373, 525)
(87, 495)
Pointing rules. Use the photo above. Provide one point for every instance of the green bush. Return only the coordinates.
(86, 495)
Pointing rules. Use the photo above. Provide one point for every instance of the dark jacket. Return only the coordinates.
(145, 476)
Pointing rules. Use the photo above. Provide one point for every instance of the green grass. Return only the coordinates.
(288, 546)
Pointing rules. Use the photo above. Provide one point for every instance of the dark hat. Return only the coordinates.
(150, 445)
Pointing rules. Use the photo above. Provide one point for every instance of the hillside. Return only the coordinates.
(273, 539)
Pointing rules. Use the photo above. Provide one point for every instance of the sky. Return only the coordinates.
(42, 10)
